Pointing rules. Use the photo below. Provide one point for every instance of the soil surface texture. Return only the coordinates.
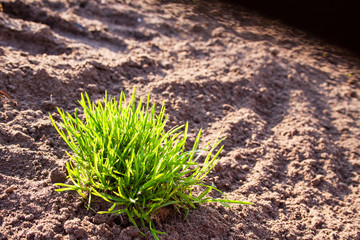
(287, 102)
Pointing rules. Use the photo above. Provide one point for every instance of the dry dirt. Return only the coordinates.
(287, 102)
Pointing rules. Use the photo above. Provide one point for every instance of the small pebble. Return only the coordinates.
(10, 190)
(57, 176)
(29, 217)
(93, 88)
(317, 180)
(245, 167)
(274, 51)
(227, 107)
(197, 119)
(200, 97)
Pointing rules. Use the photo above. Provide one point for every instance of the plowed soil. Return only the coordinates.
(287, 102)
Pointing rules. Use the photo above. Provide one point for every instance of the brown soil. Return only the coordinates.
(287, 102)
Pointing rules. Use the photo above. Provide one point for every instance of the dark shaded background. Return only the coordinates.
(337, 21)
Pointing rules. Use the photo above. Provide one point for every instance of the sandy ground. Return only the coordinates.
(287, 102)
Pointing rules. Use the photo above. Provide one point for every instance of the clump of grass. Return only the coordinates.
(122, 154)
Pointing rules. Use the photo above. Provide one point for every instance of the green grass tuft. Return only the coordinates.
(122, 154)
